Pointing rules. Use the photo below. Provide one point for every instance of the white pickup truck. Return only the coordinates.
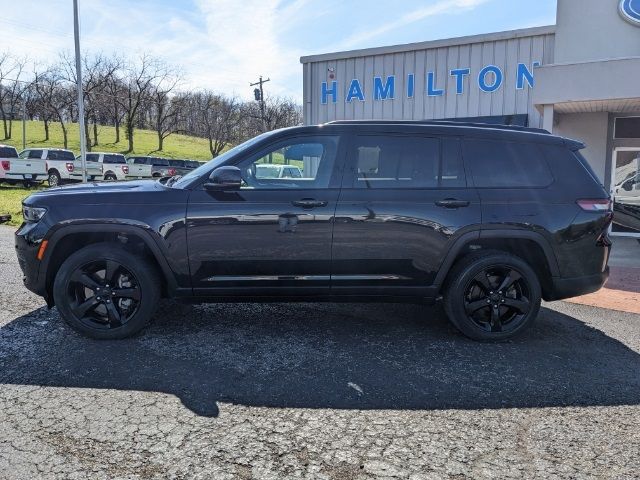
(14, 170)
(109, 166)
(60, 164)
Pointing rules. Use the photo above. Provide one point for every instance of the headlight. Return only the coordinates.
(33, 214)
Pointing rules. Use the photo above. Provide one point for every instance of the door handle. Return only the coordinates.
(309, 203)
(452, 203)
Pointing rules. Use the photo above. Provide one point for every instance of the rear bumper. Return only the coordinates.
(572, 287)
(21, 177)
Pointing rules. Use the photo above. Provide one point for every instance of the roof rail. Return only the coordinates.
(436, 123)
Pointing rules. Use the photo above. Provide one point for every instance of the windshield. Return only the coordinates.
(208, 167)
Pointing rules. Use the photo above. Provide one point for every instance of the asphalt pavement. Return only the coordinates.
(318, 391)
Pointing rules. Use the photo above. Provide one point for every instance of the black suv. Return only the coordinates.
(489, 219)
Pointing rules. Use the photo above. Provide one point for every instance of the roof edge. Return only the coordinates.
(446, 42)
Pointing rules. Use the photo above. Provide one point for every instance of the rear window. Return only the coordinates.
(8, 152)
(176, 163)
(159, 162)
(113, 158)
(500, 164)
(60, 155)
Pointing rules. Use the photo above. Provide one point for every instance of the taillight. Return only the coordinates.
(595, 205)
(69, 167)
(6, 165)
(171, 172)
(125, 169)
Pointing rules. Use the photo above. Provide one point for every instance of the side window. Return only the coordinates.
(396, 162)
(499, 164)
(295, 163)
(35, 154)
(92, 157)
(452, 174)
(24, 154)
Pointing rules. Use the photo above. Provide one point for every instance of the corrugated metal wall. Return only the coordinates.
(507, 100)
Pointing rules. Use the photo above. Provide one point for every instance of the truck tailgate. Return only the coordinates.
(32, 166)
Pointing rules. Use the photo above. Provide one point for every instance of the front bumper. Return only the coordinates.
(573, 287)
(27, 250)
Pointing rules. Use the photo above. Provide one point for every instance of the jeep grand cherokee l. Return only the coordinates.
(489, 219)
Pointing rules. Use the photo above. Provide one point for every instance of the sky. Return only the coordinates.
(223, 45)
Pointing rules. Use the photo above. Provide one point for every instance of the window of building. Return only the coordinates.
(627, 127)
(499, 164)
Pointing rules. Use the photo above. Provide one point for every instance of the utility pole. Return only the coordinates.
(24, 118)
(259, 95)
(83, 140)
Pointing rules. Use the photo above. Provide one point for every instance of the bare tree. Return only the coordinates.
(165, 108)
(56, 97)
(11, 89)
(139, 80)
(217, 117)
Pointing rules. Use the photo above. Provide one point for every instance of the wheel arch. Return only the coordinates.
(68, 239)
(532, 247)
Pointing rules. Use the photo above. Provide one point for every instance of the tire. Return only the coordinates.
(120, 299)
(54, 179)
(110, 177)
(473, 291)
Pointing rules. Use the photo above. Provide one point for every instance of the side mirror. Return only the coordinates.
(224, 178)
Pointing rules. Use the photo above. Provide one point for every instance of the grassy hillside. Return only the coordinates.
(145, 141)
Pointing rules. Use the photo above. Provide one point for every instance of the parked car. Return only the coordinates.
(106, 166)
(269, 170)
(14, 170)
(159, 166)
(488, 219)
(180, 166)
(60, 164)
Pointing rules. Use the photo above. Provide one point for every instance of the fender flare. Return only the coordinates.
(503, 234)
(140, 231)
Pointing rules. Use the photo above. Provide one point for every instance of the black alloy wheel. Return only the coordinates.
(497, 299)
(492, 295)
(106, 292)
(103, 294)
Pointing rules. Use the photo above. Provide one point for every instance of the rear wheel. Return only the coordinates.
(54, 178)
(105, 292)
(110, 177)
(492, 296)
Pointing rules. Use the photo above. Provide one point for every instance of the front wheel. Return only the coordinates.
(110, 177)
(492, 296)
(106, 292)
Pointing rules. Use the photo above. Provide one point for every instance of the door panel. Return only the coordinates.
(393, 230)
(274, 232)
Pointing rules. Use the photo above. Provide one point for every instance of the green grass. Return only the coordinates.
(11, 202)
(145, 141)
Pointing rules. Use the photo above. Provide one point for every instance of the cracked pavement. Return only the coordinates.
(317, 391)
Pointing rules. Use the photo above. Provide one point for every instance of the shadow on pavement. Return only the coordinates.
(344, 356)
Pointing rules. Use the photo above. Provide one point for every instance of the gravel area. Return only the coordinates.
(318, 391)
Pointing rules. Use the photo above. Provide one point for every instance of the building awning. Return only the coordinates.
(602, 86)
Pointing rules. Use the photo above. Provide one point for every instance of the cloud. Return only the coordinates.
(438, 8)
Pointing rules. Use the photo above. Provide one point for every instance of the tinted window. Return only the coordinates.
(60, 155)
(627, 127)
(312, 157)
(8, 152)
(497, 164)
(140, 160)
(35, 154)
(452, 174)
(177, 163)
(396, 162)
(91, 157)
(114, 158)
(159, 162)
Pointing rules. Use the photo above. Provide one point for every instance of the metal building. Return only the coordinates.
(579, 78)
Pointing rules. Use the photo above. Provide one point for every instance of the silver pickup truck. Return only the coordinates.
(14, 170)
